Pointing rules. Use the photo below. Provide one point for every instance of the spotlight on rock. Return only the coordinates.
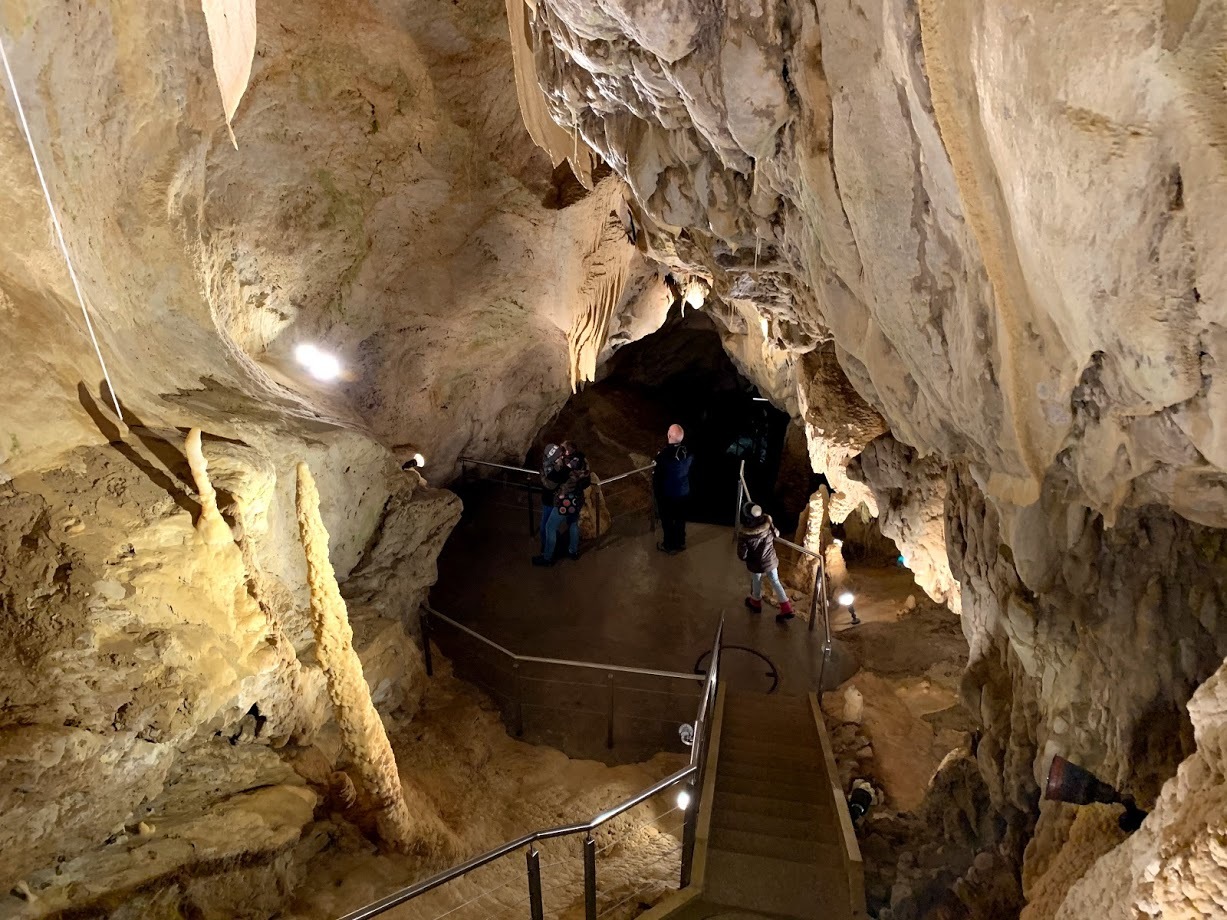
(319, 364)
(848, 599)
(695, 297)
(1068, 782)
(416, 462)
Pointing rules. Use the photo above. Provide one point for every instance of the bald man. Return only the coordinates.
(671, 482)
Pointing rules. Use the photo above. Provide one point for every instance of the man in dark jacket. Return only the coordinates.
(671, 483)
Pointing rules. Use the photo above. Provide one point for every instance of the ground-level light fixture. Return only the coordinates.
(318, 363)
(683, 799)
(416, 462)
(848, 599)
(838, 542)
(1068, 782)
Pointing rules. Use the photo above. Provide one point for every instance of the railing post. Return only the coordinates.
(424, 625)
(609, 721)
(689, 825)
(532, 521)
(519, 701)
(741, 479)
(589, 878)
(818, 587)
(534, 883)
(596, 508)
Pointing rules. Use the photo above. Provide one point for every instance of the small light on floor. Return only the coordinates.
(416, 462)
(683, 800)
(838, 542)
(319, 364)
(846, 599)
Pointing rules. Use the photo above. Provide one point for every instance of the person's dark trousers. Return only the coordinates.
(672, 520)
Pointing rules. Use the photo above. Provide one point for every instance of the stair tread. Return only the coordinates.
(799, 774)
(803, 828)
(792, 849)
(787, 792)
(778, 886)
(735, 744)
(768, 806)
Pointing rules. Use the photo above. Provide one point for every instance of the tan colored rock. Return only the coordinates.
(363, 737)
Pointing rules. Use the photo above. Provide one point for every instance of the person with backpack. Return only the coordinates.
(671, 484)
(756, 548)
(565, 476)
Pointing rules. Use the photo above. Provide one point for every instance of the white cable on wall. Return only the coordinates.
(59, 233)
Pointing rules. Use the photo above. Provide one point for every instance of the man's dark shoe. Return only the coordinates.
(671, 550)
(542, 561)
(573, 556)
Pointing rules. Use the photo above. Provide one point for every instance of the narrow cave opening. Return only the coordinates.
(682, 374)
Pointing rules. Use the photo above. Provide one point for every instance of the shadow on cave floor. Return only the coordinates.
(623, 602)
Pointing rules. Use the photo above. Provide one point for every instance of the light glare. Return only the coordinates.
(319, 364)
(846, 599)
(419, 461)
(683, 800)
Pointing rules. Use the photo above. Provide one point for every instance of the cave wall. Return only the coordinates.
(385, 201)
(999, 222)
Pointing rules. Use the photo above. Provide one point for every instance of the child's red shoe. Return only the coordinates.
(785, 613)
(755, 606)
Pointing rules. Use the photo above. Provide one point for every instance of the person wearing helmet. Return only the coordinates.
(565, 476)
(756, 548)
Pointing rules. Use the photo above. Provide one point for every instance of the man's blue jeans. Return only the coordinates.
(549, 532)
(773, 577)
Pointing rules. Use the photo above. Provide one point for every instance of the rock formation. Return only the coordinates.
(363, 739)
(974, 248)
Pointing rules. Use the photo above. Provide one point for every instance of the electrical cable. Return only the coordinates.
(59, 232)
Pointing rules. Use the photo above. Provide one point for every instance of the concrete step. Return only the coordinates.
(770, 807)
(784, 772)
(755, 734)
(789, 792)
(759, 702)
(777, 886)
(785, 751)
(795, 716)
(769, 755)
(810, 852)
(787, 827)
(703, 909)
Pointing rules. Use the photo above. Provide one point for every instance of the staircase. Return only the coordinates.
(775, 840)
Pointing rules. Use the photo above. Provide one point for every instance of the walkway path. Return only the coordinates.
(624, 602)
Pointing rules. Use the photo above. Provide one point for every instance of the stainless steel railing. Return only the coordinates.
(531, 488)
(819, 602)
(692, 775)
(606, 699)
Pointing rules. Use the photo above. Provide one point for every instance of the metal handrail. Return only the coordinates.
(690, 772)
(572, 663)
(530, 488)
(499, 466)
(642, 469)
(527, 471)
(818, 596)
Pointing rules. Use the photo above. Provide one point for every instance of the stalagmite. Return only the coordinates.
(363, 737)
(211, 527)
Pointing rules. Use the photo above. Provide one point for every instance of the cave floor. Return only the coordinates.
(623, 602)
